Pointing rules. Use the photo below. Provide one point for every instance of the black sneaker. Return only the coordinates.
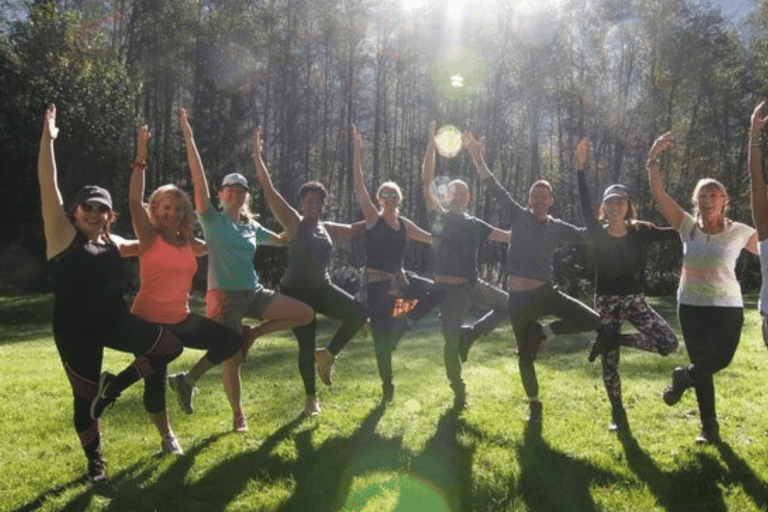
(97, 471)
(606, 340)
(387, 392)
(465, 342)
(535, 410)
(680, 382)
(710, 432)
(105, 395)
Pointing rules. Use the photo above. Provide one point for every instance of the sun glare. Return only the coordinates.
(412, 5)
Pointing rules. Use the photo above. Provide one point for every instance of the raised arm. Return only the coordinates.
(142, 227)
(669, 208)
(59, 231)
(199, 181)
(370, 212)
(287, 216)
(474, 147)
(757, 192)
(580, 155)
(428, 172)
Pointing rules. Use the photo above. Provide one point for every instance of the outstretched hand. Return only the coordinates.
(141, 143)
(758, 120)
(580, 154)
(663, 143)
(257, 143)
(184, 122)
(49, 122)
(357, 139)
(472, 143)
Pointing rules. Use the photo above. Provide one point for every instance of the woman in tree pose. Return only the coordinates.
(232, 236)
(384, 279)
(456, 238)
(310, 243)
(759, 203)
(710, 307)
(619, 243)
(89, 311)
(168, 254)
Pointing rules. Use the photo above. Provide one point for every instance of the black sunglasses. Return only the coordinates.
(88, 207)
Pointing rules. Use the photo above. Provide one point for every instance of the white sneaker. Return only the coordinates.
(312, 406)
(170, 445)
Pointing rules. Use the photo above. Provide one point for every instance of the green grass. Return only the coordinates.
(413, 455)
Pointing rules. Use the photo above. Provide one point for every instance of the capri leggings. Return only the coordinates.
(81, 344)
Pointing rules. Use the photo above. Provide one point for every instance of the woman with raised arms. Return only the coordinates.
(232, 236)
(89, 312)
(168, 253)
(310, 242)
(710, 306)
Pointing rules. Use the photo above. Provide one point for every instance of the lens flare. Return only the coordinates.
(448, 141)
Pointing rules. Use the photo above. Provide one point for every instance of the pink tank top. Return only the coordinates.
(166, 279)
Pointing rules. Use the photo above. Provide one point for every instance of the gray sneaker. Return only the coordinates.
(170, 445)
(184, 391)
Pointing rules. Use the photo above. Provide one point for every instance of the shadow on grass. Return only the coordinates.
(551, 480)
(742, 474)
(691, 489)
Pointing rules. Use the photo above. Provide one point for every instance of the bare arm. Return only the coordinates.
(752, 245)
(339, 232)
(757, 191)
(370, 212)
(199, 181)
(500, 236)
(428, 172)
(415, 233)
(474, 147)
(669, 208)
(275, 240)
(142, 227)
(59, 231)
(285, 214)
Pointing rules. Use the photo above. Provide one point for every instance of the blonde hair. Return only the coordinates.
(389, 185)
(709, 183)
(186, 230)
(245, 214)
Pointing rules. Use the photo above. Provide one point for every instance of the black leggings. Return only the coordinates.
(711, 335)
(380, 307)
(81, 344)
(333, 302)
(198, 332)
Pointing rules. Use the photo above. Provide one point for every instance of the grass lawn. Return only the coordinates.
(416, 454)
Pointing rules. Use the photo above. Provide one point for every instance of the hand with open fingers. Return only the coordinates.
(758, 121)
(49, 125)
(665, 141)
(473, 144)
(356, 137)
(580, 154)
(142, 140)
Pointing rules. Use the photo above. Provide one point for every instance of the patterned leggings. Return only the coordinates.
(655, 335)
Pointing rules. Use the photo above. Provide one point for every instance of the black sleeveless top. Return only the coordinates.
(309, 256)
(384, 246)
(88, 279)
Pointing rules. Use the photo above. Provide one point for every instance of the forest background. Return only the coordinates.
(532, 77)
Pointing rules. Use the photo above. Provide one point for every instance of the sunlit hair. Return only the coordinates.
(313, 186)
(390, 185)
(107, 229)
(245, 214)
(186, 229)
(541, 183)
(709, 183)
(630, 215)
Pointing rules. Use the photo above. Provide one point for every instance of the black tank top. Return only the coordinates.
(88, 280)
(384, 246)
(309, 256)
